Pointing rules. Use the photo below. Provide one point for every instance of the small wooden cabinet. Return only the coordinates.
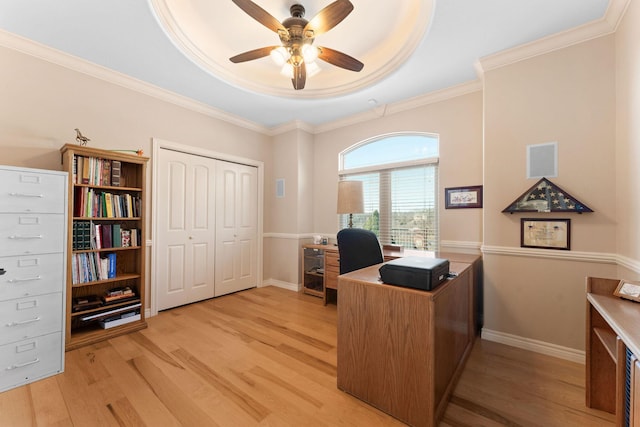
(320, 270)
(613, 348)
(105, 244)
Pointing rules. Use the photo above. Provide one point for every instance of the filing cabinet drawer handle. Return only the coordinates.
(24, 322)
(14, 237)
(40, 196)
(22, 365)
(26, 279)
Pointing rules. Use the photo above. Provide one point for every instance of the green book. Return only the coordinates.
(117, 238)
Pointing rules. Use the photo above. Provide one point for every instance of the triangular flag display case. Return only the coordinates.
(545, 196)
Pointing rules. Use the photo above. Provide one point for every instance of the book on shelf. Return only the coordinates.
(117, 236)
(87, 302)
(115, 173)
(125, 238)
(110, 311)
(112, 266)
(121, 319)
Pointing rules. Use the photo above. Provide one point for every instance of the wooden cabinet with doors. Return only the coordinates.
(105, 244)
(612, 352)
(320, 270)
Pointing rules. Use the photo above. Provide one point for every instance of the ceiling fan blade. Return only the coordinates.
(339, 59)
(329, 17)
(299, 76)
(252, 54)
(260, 15)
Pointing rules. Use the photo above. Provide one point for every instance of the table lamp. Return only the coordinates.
(350, 199)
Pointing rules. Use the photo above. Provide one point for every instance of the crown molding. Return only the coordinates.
(598, 28)
(291, 126)
(400, 106)
(54, 56)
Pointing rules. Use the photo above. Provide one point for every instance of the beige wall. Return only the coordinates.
(458, 121)
(42, 103)
(585, 97)
(628, 138)
(566, 96)
(289, 219)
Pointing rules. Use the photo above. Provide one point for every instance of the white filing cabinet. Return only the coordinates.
(33, 209)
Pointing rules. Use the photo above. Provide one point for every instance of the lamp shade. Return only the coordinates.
(350, 199)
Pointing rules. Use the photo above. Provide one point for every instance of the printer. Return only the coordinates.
(415, 272)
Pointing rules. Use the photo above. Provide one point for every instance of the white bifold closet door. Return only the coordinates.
(186, 228)
(236, 227)
(207, 228)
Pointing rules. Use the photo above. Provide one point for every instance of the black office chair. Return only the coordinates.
(358, 248)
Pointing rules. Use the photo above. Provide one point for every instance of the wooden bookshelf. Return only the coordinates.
(106, 203)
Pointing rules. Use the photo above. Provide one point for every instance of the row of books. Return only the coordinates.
(92, 203)
(93, 266)
(111, 296)
(95, 171)
(87, 236)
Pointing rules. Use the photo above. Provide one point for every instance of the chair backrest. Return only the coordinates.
(358, 248)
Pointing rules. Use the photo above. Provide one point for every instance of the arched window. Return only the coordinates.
(400, 181)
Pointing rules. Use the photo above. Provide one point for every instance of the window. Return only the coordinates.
(400, 181)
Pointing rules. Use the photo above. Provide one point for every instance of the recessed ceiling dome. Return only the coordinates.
(382, 35)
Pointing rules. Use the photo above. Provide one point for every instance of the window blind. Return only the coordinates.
(400, 206)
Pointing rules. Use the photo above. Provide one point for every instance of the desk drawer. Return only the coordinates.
(331, 269)
(31, 234)
(29, 317)
(28, 360)
(31, 275)
(31, 191)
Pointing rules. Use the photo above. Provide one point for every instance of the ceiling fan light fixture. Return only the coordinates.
(280, 55)
(287, 70)
(312, 68)
(309, 53)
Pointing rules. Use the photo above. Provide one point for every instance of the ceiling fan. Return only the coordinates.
(297, 54)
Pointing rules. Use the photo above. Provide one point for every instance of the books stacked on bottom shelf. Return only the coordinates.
(116, 317)
(118, 295)
(120, 319)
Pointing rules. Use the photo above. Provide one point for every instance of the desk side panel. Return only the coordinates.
(453, 334)
(384, 355)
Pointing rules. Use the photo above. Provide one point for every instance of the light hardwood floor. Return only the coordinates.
(267, 357)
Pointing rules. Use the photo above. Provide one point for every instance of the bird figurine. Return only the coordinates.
(82, 140)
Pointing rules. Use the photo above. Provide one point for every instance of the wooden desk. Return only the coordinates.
(612, 331)
(402, 350)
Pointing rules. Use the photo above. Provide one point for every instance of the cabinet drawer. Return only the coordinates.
(25, 361)
(31, 233)
(25, 318)
(331, 259)
(32, 191)
(331, 281)
(31, 275)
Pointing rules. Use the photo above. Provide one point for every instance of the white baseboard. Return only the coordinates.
(542, 347)
(280, 284)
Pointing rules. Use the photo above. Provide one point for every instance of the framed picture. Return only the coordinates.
(463, 197)
(545, 233)
(628, 290)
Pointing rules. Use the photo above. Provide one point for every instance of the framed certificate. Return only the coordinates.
(545, 233)
(463, 197)
(628, 290)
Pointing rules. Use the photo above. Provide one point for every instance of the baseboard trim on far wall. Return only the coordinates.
(281, 284)
(542, 347)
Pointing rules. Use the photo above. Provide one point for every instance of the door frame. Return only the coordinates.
(158, 144)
